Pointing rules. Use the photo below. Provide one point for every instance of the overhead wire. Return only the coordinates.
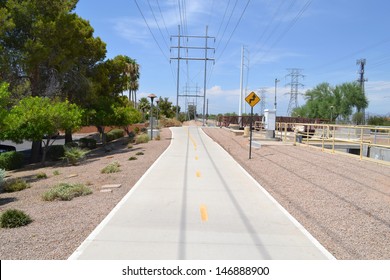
(150, 30)
(234, 29)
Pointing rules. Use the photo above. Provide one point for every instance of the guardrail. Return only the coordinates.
(366, 142)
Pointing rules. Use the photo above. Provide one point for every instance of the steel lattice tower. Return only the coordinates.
(295, 75)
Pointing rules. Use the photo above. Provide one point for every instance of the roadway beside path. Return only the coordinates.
(196, 202)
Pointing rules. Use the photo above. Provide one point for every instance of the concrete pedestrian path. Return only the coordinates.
(196, 202)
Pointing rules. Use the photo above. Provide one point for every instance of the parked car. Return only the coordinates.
(7, 148)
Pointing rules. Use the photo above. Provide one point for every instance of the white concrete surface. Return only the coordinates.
(196, 202)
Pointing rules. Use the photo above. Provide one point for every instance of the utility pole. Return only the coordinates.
(295, 74)
(206, 58)
(276, 85)
(361, 80)
(244, 59)
(263, 100)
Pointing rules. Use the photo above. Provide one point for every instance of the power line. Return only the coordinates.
(158, 26)
(238, 22)
(150, 30)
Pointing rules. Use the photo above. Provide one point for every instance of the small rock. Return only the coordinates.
(111, 186)
(106, 191)
(71, 176)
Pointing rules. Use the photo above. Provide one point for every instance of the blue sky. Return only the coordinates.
(322, 38)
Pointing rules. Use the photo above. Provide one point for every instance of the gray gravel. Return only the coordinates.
(343, 202)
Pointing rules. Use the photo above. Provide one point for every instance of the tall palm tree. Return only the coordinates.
(132, 72)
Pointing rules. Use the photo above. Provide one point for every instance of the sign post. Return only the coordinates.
(252, 99)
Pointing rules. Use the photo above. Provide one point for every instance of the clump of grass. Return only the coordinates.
(132, 158)
(139, 154)
(113, 167)
(41, 175)
(66, 192)
(13, 218)
(15, 185)
(56, 173)
(130, 146)
(158, 138)
(74, 154)
(142, 138)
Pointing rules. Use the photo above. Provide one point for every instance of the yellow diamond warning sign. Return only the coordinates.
(252, 99)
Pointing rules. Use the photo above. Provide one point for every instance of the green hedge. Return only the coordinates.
(89, 143)
(114, 134)
(11, 160)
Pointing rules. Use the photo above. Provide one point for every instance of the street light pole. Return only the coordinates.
(151, 96)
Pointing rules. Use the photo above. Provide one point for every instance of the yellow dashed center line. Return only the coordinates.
(196, 157)
(203, 213)
(198, 174)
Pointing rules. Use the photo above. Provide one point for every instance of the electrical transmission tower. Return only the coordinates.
(263, 100)
(295, 75)
(185, 47)
(361, 80)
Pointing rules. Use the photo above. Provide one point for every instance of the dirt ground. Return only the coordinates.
(59, 227)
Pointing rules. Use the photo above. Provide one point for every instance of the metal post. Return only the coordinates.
(178, 74)
(276, 85)
(250, 134)
(151, 96)
(205, 80)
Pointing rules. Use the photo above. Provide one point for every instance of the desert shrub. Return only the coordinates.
(71, 144)
(89, 143)
(2, 176)
(131, 136)
(113, 167)
(13, 218)
(129, 146)
(56, 173)
(41, 175)
(11, 160)
(74, 155)
(15, 185)
(139, 154)
(142, 138)
(158, 137)
(132, 158)
(66, 192)
(136, 130)
(165, 122)
(144, 130)
(56, 152)
(114, 134)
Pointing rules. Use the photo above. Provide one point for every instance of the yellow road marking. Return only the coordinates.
(198, 174)
(192, 139)
(203, 213)
(196, 157)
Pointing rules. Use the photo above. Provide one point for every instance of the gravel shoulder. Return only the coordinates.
(343, 202)
(59, 227)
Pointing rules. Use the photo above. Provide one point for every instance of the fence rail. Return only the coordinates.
(367, 142)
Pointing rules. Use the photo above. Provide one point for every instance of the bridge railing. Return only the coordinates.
(366, 142)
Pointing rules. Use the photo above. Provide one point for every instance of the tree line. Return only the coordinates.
(54, 74)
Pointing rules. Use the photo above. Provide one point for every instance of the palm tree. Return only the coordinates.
(133, 74)
(144, 106)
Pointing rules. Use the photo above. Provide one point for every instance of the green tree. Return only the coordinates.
(327, 102)
(165, 108)
(36, 118)
(144, 106)
(46, 50)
